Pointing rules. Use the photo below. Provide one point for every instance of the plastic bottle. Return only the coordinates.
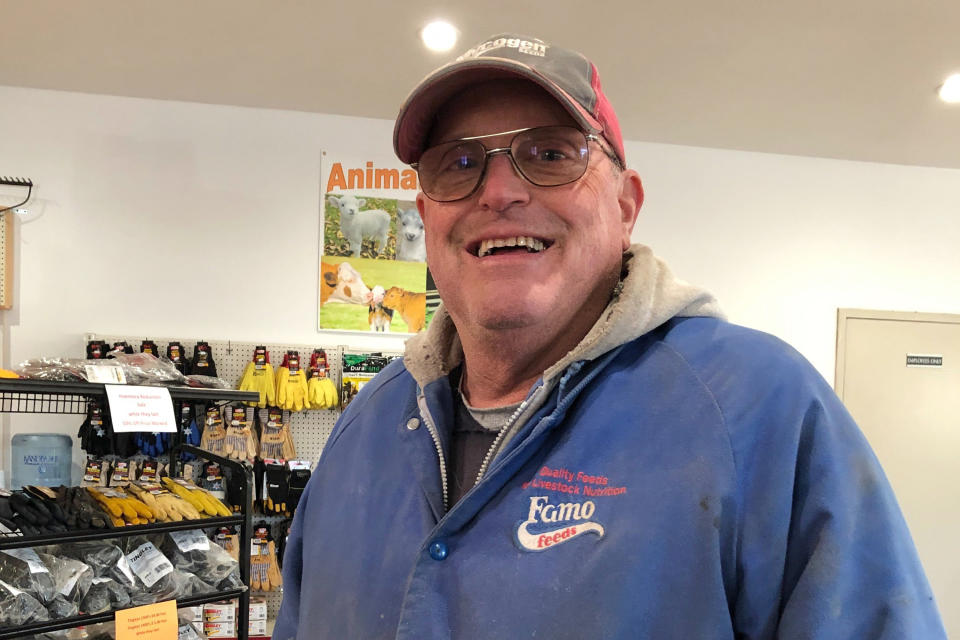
(42, 459)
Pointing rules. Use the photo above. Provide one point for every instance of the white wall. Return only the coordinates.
(166, 218)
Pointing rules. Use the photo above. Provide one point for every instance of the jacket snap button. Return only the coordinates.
(413, 424)
(438, 550)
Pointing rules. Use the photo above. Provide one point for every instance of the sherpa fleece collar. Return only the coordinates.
(650, 295)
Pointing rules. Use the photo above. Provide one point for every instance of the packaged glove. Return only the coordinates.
(202, 363)
(18, 608)
(291, 384)
(240, 440)
(96, 432)
(296, 482)
(120, 347)
(24, 570)
(214, 432)
(154, 572)
(192, 552)
(149, 346)
(321, 392)
(71, 579)
(177, 355)
(258, 376)
(235, 483)
(278, 487)
(97, 349)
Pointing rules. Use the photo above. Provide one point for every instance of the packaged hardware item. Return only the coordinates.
(192, 552)
(258, 376)
(359, 369)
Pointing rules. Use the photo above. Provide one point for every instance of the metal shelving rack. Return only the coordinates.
(39, 396)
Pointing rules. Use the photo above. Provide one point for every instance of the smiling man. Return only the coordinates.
(579, 446)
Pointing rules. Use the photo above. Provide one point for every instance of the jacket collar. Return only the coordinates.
(647, 296)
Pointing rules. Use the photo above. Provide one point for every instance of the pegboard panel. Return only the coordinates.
(310, 428)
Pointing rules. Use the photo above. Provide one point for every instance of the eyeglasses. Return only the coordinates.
(544, 156)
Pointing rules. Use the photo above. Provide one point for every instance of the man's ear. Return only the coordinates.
(630, 199)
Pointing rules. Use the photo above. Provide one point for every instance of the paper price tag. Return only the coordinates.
(108, 373)
(30, 557)
(193, 540)
(149, 564)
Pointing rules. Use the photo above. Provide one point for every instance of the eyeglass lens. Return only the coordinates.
(545, 156)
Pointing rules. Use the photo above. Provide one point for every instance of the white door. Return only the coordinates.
(899, 375)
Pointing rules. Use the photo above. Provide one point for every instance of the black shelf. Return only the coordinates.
(106, 616)
(48, 396)
(18, 542)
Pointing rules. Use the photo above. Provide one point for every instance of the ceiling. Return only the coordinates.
(853, 79)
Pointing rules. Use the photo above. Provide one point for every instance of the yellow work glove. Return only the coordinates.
(201, 499)
(315, 399)
(259, 379)
(329, 393)
(291, 390)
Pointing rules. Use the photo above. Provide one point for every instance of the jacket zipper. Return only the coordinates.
(432, 428)
(503, 432)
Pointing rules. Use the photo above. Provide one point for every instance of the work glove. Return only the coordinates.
(259, 376)
(214, 434)
(297, 482)
(120, 347)
(123, 508)
(277, 480)
(149, 346)
(97, 349)
(202, 363)
(201, 500)
(291, 384)
(178, 357)
(95, 431)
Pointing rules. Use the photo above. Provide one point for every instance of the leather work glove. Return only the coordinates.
(296, 483)
(278, 488)
(201, 500)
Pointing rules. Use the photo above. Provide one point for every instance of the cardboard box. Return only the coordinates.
(258, 627)
(258, 608)
(220, 612)
(220, 629)
(192, 614)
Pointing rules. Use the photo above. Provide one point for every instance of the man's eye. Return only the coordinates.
(551, 155)
(460, 163)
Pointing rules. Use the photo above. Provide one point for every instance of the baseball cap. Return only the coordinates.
(566, 75)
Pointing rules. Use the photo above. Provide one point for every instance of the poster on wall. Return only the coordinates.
(373, 272)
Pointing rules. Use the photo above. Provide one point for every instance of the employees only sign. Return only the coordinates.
(135, 408)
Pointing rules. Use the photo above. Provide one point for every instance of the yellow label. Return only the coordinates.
(151, 622)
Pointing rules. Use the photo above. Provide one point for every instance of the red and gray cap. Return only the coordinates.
(566, 75)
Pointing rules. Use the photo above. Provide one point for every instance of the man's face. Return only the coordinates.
(584, 226)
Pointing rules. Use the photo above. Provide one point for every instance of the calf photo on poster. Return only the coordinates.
(373, 272)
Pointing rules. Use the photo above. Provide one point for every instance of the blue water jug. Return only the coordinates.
(42, 459)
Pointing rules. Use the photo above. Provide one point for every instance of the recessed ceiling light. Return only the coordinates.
(439, 35)
(950, 89)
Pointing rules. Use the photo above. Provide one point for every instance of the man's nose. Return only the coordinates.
(502, 185)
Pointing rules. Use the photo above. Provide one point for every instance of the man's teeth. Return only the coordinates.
(532, 244)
